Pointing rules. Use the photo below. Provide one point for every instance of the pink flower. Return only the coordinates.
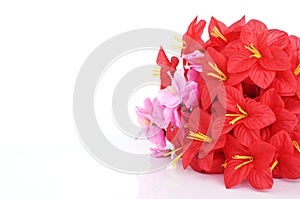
(179, 92)
(194, 60)
(152, 122)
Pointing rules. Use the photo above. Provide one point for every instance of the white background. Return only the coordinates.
(42, 47)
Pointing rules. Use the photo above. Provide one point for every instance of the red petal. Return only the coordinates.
(259, 115)
(263, 154)
(283, 142)
(207, 97)
(245, 135)
(278, 38)
(240, 62)
(206, 163)
(294, 52)
(274, 59)
(233, 147)
(235, 78)
(194, 165)
(199, 121)
(233, 97)
(260, 179)
(219, 159)
(162, 59)
(290, 167)
(232, 176)
(190, 152)
(261, 77)
(251, 31)
(233, 47)
(237, 26)
(285, 120)
(293, 104)
(272, 99)
(218, 58)
(196, 28)
(285, 83)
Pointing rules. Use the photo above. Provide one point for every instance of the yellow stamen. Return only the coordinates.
(172, 151)
(224, 164)
(296, 145)
(274, 165)
(255, 52)
(146, 122)
(242, 157)
(199, 137)
(216, 33)
(179, 40)
(174, 47)
(237, 115)
(221, 76)
(297, 70)
(156, 71)
(174, 162)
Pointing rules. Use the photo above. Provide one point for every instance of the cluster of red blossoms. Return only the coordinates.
(232, 106)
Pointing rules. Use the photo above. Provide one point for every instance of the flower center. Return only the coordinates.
(146, 122)
(216, 33)
(297, 70)
(238, 116)
(296, 145)
(242, 157)
(221, 76)
(199, 137)
(255, 52)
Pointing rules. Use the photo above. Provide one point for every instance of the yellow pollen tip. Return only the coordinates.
(221, 76)
(156, 71)
(224, 164)
(174, 162)
(274, 165)
(242, 157)
(217, 34)
(199, 137)
(243, 114)
(255, 52)
(297, 70)
(183, 46)
(296, 145)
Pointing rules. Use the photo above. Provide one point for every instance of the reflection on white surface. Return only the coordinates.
(173, 183)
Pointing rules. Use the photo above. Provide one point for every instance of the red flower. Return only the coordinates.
(221, 35)
(247, 116)
(166, 67)
(204, 140)
(285, 120)
(259, 52)
(253, 163)
(192, 38)
(216, 76)
(288, 165)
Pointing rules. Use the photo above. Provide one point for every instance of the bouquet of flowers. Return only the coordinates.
(229, 105)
